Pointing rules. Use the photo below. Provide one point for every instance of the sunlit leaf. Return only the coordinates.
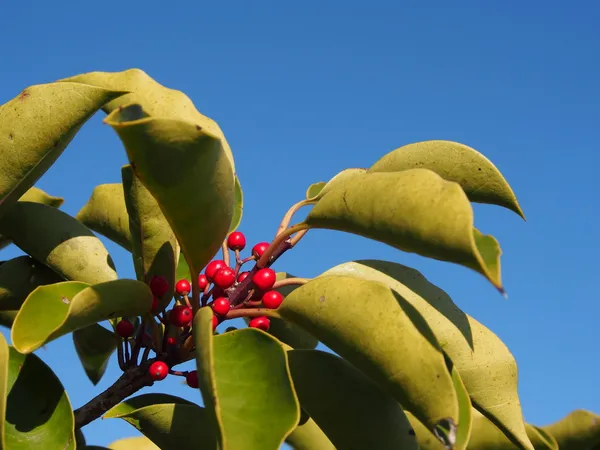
(579, 430)
(59, 241)
(238, 208)
(57, 309)
(36, 126)
(94, 346)
(105, 213)
(134, 443)
(477, 175)
(309, 436)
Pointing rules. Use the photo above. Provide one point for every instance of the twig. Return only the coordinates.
(254, 312)
(290, 282)
(225, 251)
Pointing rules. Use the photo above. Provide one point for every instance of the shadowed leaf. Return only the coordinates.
(94, 346)
(388, 341)
(35, 128)
(257, 418)
(352, 410)
(7, 318)
(105, 213)
(479, 178)
(183, 270)
(487, 367)
(59, 241)
(55, 310)
(309, 436)
(154, 246)
(415, 211)
(169, 422)
(579, 430)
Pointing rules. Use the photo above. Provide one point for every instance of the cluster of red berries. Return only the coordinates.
(214, 283)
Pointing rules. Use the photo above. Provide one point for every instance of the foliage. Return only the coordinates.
(410, 370)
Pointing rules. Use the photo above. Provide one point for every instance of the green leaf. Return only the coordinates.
(36, 126)
(94, 346)
(154, 246)
(134, 443)
(38, 196)
(314, 190)
(352, 410)
(317, 190)
(309, 436)
(415, 211)
(38, 410)
(183, 270)
(252, 399)
(168, 421)
(105, 213)
(487, 367)
(540, 439)
(57, 309)
(238, 208)
(188, 172)
(579, 430)
(479, 178)
(413, 370)
(59, 241)
(19, 277)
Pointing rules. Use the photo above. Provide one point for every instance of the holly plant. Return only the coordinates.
(407, 368)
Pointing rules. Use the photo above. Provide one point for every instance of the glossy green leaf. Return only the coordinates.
(38, 196)
(486, 366)
(314, 190)
(35, 128)
(38, 411)
(415, 211)
(19, 277)
(59, 241)
(317, 190)
(155, 248)
(187, 171)
(183, 270)
(55, 310)
(352, 410)
(579, 430)
(134, 443)
(253, 398)
(309, 436)
(105, 213)
(477, 175)
(238, 208)
(94, 346)
(170, 422)
(412, 369)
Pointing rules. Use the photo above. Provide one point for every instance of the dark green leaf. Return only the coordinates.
(94, 346)
(309, 436)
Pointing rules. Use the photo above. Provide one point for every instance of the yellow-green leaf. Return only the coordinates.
(134, 443)
(317, 190)
(486, 366)
(105, 213)
(314, 190)
(389, 341)
(188, 172)
(94, 346)
(477, 175)
(309, 436)
(540, 439)
(256, 418)
(238, 208)
(415, 211)
(155, 248)
(352, 410)
(35, 128)
(579, 430)
(38, 411)
(57, 309)
(19, 277)
(183, 270)
(169, 422)
(59, 241)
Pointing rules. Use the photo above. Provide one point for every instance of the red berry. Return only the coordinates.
(221, 306)
(159, 285)
(181, 316)
(202, 282)
(264, 279)
(154, 304)
(272, 299)
(171, 341)
(183, 287)
(242, 276)
(158, 370)
(236, 241)
(125, 328)
(224, 278)
(213, 267)
(259, 249)
(215, 322)
(191, 379)
(261, 323)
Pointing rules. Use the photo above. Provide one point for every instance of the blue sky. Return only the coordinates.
(304, 90)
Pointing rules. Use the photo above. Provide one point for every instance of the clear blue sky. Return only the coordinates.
(304, 90)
